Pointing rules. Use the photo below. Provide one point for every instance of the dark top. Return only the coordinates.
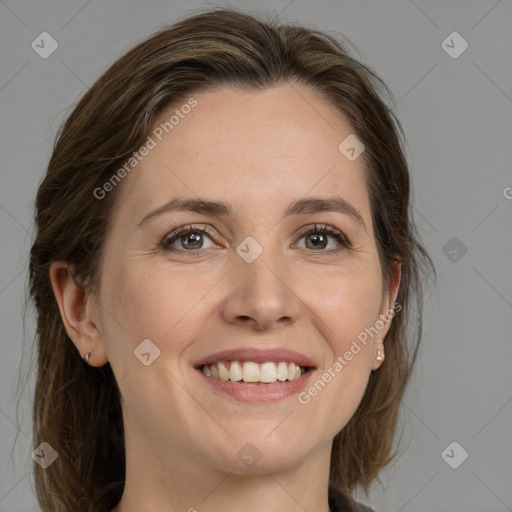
(340, 503)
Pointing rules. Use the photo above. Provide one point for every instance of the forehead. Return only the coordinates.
(253, 149)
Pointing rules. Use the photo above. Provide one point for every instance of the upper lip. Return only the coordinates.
(257, 355)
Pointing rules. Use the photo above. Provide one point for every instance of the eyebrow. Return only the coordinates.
(300, 207)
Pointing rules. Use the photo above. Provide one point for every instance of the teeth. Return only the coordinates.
(291, 371)
(268, 372)
(235, 371)
(223, 372)
(248, 371)
(282, 371)
(214, 371)
(251, 372)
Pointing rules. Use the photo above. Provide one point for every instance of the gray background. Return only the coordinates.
(457, 117)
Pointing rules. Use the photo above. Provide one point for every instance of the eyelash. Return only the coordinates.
(316, 229)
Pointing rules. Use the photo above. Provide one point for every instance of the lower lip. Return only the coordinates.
(257, 392)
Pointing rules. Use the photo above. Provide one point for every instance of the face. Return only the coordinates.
(257, 282)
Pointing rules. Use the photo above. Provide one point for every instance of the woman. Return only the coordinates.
(224, 273)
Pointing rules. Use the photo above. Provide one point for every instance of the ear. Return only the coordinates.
(386, 313)
(79, 313)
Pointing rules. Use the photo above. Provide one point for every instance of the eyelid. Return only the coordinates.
(331, 230)
(183, 230)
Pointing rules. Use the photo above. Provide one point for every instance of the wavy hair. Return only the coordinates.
(76, 408)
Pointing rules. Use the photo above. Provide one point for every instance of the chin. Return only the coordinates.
(260, 453)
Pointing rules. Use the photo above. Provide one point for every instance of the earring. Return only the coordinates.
(86, 357)
(380, 355)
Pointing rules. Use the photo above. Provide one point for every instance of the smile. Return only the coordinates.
(255, 375)
(250, 372)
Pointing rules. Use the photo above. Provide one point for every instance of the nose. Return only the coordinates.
(261, 294)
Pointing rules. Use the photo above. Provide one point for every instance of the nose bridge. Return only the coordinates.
(262, 289)
(264, 276)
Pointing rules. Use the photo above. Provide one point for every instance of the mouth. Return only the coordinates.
(252, 375)
(250, 372)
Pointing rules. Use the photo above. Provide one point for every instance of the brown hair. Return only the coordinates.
(77, 407)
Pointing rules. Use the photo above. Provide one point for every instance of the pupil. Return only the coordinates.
(192, 236)
(316, 237)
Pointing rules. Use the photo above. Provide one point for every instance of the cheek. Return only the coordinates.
(346, 308)
(153, 302)
(143, 304)
(347, 303)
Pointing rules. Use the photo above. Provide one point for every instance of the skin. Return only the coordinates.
(258, 151)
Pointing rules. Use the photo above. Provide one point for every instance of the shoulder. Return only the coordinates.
(338, 502)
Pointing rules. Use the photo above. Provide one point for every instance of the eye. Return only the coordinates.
(190, 238)
(316, 238)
